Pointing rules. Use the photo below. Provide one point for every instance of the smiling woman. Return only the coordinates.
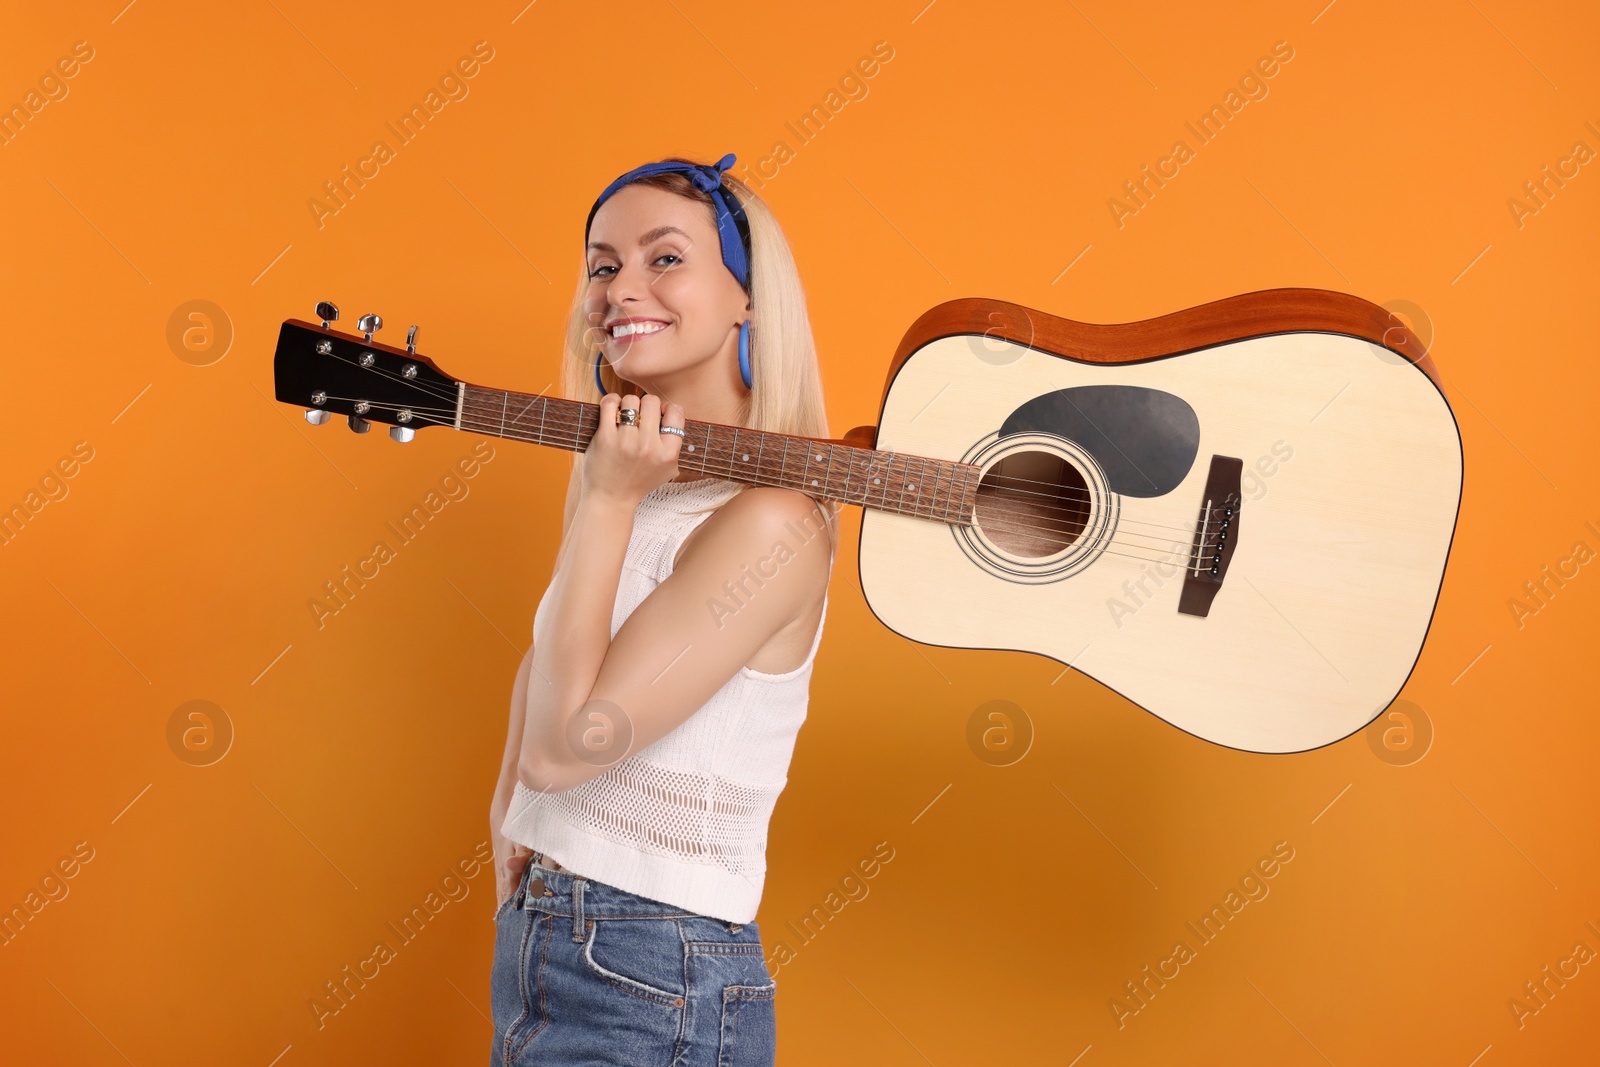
(649, 739)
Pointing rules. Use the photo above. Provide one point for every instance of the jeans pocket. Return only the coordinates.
(749, 1026)
(641, 957)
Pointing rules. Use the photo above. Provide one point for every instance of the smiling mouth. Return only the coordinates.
(630, 338)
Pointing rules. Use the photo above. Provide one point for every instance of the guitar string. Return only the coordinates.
(1002, 521)
(989, 478)
(563, 432)
(1059, 492)
(1011, 523)
(998, 521)
(432, 388)
(728, 468)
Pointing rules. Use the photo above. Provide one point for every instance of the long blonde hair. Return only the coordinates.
(786, 393)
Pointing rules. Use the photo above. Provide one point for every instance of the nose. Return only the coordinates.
(627, 284)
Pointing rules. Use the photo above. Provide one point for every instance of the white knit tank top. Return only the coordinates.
(683, 820)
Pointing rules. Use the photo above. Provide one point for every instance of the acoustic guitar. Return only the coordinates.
(1236, 516)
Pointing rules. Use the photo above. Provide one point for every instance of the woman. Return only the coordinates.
(653, 721)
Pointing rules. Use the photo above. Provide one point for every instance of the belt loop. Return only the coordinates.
(577, 909)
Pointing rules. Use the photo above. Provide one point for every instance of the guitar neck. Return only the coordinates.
(884, 481)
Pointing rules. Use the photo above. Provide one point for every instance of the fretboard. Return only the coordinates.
(884, 481)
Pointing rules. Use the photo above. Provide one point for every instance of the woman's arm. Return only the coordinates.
(510, 857)
(750, 571)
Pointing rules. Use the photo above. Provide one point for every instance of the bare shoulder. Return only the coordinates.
(768, 508)
(766, 522)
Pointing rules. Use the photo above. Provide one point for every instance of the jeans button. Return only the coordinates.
(536, 887)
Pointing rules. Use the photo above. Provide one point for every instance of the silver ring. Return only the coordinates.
(673, 429)
(627, 417)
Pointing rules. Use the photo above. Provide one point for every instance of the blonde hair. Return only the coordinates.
(786, 392)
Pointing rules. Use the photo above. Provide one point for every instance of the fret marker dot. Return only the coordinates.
(819, 457)
(911, 488)
(691, 448)
(745, 457)
(813, 481)
(877, 481)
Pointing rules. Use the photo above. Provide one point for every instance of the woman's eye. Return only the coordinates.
(676, 259)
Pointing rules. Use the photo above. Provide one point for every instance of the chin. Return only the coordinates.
(641, 368)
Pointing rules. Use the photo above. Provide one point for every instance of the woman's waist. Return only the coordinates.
(550, 886)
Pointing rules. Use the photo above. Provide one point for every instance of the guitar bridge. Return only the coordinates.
(1215, 537)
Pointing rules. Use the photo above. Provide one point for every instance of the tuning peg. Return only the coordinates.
(317, 417)
(358, 424)
(328, 313)
(402, 433)
(411, 341)
(369, 325)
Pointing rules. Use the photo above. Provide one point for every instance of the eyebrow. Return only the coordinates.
(659, 231)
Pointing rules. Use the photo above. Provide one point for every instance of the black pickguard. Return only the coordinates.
(1145, 440)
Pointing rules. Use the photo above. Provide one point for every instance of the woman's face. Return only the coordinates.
(654, 259)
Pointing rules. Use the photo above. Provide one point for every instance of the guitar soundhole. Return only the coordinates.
(1032, 504)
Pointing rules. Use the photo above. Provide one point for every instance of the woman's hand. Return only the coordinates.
(625, 463)
(508, 867)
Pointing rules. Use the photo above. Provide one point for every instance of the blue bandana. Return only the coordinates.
(733, 229)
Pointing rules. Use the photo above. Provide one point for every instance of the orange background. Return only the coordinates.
(1019, 899)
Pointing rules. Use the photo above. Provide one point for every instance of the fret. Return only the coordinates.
(705, 429)
(783, 464)
(933, 503)
(543, 411)
(849, 467)
(804, 474)
(761, 445)
(505, 398)
(708, 451)
(734, 454)
(909, 484)
(881, 462)
(711, 451)
(516, 422)
(827, 476)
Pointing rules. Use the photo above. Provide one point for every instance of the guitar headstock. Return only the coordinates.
(332, 373)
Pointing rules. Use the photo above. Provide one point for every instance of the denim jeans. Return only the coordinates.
(586, 973)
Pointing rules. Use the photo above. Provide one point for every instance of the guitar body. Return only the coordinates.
(1098, 445)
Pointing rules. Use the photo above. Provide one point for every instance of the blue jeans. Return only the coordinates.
(586, 973)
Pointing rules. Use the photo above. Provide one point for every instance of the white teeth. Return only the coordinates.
(627, 329)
